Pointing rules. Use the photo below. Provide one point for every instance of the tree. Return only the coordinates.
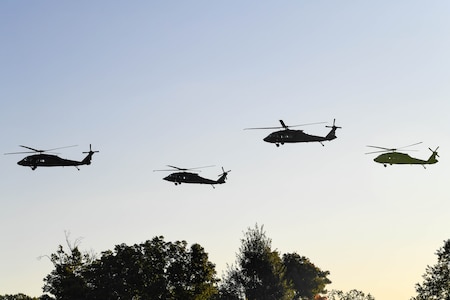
(351, 295)
(259, 273)
(19, 296)
(201, 274)
(436, 284)
(307, 279)
(152, 270)
(66, 280)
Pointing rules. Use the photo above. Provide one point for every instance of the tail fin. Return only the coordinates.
(432, 159)
(332, 134)
(87, 159)
(223, 176)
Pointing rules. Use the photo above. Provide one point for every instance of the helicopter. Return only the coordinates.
(188, 177)
(296, 136)
(392, 157)
(50, 160)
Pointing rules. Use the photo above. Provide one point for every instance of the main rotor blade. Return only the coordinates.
(278, 127)
(201, 167)
(35, 150)
(284, 126)
(306, 124)
(47, 150)
(184, 169)
(385, 149)
(388, 150)
(23, 152)
(180, 169)
(379, 151)
(60, 148)
(410, 145)
(166, 170)
(394, 149)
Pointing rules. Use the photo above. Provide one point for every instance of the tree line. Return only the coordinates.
(157, 269)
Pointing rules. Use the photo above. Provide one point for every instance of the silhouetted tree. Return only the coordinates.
(201, 274)
(66, 280)
(259, 271)
(307, 279)
(436, 284)
(19, 296)
(231, 287)
(152, 270)
(351, 295)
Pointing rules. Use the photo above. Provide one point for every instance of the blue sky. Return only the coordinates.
(156, 83)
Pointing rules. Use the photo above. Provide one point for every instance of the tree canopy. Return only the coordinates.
(157, 269)
(350, 295)
(260, 272)
(19, 296)
(307, 279)
(436, 280)
(154, 269)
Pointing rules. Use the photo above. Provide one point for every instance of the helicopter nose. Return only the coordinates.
(376, 159)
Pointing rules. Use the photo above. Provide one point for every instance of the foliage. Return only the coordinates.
(19, 296)
(66, 280)
(259, 273)
(436, 284)
(152, 270)
(157, 269)
(307, 279)
(22, 296)
(351, 295)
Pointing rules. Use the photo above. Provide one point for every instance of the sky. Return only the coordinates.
(156, 83)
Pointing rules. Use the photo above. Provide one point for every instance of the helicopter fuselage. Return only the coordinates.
(296, 136)
(403, 159)
(41, 159)
(287, 135)
(49, 160)
(188, 177)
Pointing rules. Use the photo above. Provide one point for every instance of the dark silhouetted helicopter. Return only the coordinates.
(297, 136)
(50, 160)
(188, 177)
(392, 157)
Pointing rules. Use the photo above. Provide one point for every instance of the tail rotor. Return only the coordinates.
(90, 150)
(334, 127)
(332, 134)
(223, 176)
(435, 151)
(89, 153)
